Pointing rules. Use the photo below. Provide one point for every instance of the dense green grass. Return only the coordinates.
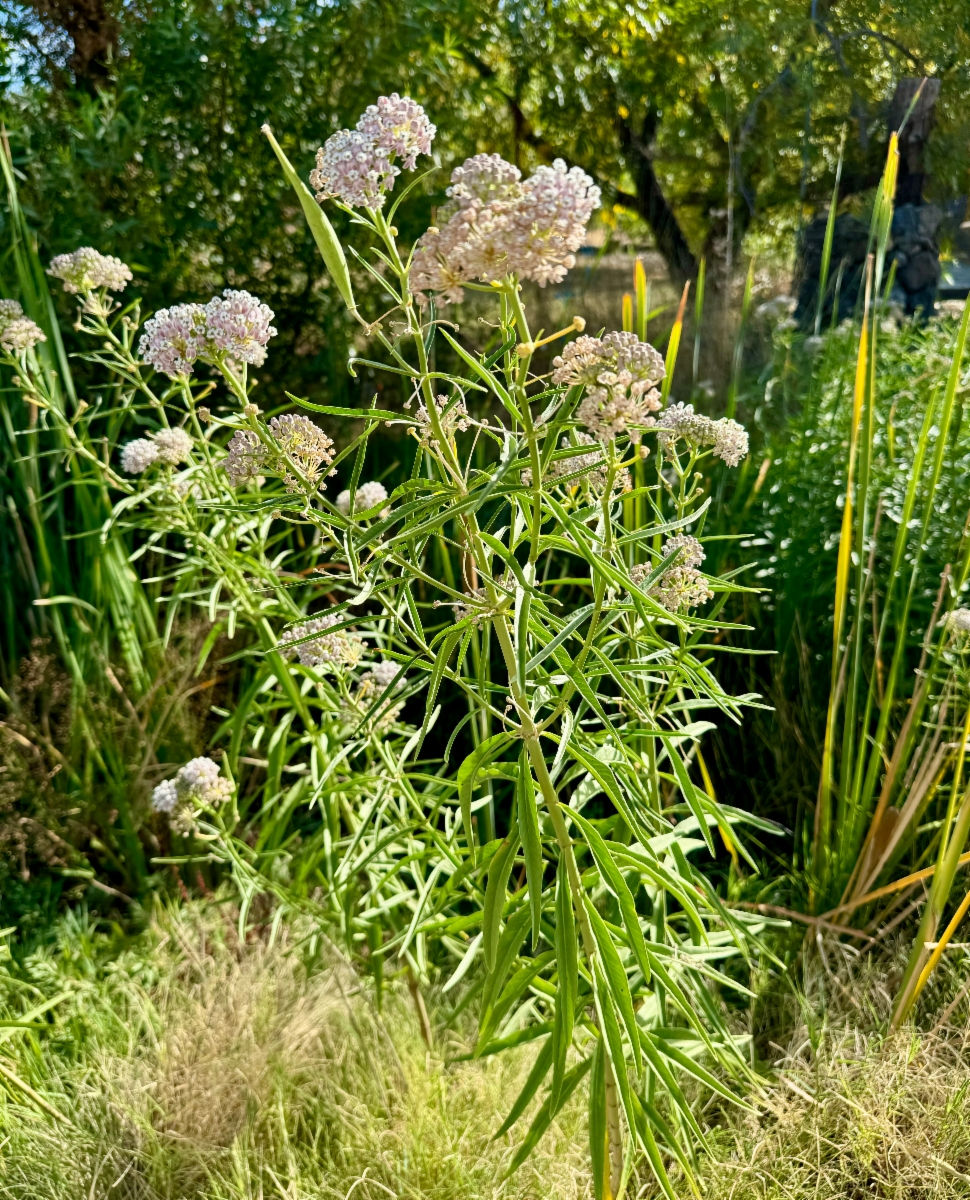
(182, 1063)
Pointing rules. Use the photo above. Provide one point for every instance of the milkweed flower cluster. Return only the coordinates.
(86, 270)
(17, 332)
(169, 446)
(314, 646)
(679, 421)
(590, 468)
(495, 225)
(232, 328)
(199, 783)
(381, 675)
(620, 374)
(452, 417)
(682, 586)
(300, 441)
(357, 166)
(367, 496)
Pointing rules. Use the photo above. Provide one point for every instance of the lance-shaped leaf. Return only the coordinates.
(323, 232)
(543, 1118)
(540, 1069)
(615, 978)
(568, 967)
(483, 754)
(495, 889)
(614, 880)
(531, 841)
(599, 1137)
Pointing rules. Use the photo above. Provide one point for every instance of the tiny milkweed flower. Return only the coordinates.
(85, 270)
(138, 456)
(174, 446)
(679, 421)
(238, 326)
(245, 458)
(173, 339)
(368, 496)
(681, 586)
(452, 417)
(305, 443)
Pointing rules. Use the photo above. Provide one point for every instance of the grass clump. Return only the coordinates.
(190, 1065)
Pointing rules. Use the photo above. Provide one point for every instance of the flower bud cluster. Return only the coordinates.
(170, 446)
(197, 783)
(367, 496)
(85, 270)
(232, 328)
(590, 468)
(959, 620)
(340, 648)
(679, 421)
(681, 586)
(620, 374)
(17, 332)
(494, 225)
(300, 441)
(357, 166)
(452, 417)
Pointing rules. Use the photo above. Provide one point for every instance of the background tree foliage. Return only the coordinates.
(137, 127)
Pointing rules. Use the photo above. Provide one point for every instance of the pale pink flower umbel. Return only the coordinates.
(234, 327)
(494, 225)
(173, 339)
(238, 326)
(357, 166)
(620, 374)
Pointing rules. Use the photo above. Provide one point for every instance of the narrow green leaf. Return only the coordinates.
(498, 876)
(540, 1068)
(616, 981)
(614, 880)
(568, 968)
(543, 1118)
(483, 754)
(531, 841)
(599, 1137)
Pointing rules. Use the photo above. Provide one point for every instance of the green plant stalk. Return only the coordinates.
(823, 277)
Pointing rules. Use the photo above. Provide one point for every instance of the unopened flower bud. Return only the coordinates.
(643, 451)
(579, 324)
(251, 410)
(524, 349)
(205, 416)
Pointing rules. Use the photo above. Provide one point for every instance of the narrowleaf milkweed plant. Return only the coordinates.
(559, 850)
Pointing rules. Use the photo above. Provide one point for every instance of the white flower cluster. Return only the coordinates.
(340, 648)
(198, 782)
(494, 225)
(17, 332)
(620, 374)
(367, 496)
(589, 468)
(959, 620)
(681, 586)
(232, 328)
(452, 419)
(728, 439)
(85, 270)
(170, 446)
(304, 443)
(357, 166)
